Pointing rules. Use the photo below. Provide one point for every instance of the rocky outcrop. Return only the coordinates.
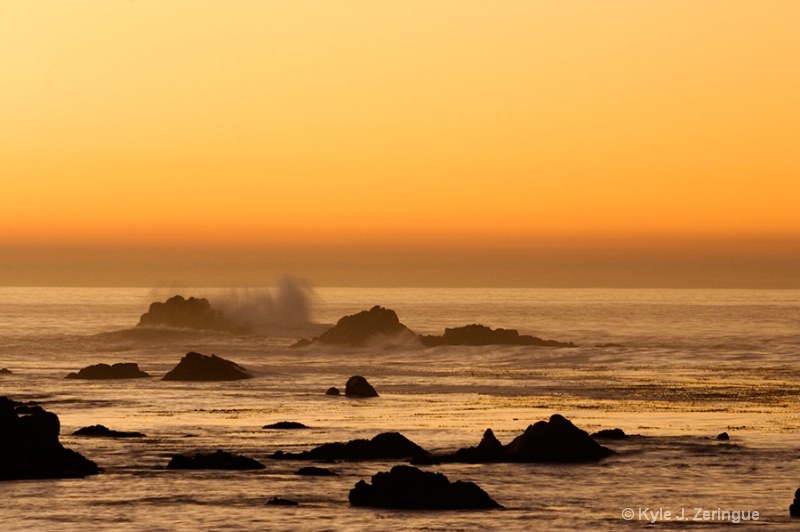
(481, 335)
(366, 326)
(387, 445)
(5, 371)
(199, 367)
(193, 313)
(408, 488)
(285, 425)
(357, 386)
(100, 431)
(362, 328)
(122, 370)
(217, 460)
(556, 440)
(29, 446)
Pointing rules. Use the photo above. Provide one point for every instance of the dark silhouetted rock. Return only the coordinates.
(277, 501)
(391, 445)
(794, 508)
(557, 440)
(481, 335)
(29, 446)
(122, 370)
(193, 313)
(357, 386)
(333, 391)
(104, 432)
(610, 434)
(312, 471)
(217, 460)
(408, 488)
(5, 371)
(285, 425)
(359, 329)
(197, 367)
(723, 436)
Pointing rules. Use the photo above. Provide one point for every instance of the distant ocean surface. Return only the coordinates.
(677, 367)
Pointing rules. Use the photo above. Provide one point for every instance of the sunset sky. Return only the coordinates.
(450, 143)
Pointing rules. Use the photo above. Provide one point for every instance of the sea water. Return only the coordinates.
(674, 368)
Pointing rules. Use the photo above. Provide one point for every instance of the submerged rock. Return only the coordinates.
(277, 501)
(217, 460)
(610, 434)
(29, 446)
(360, 329)
(312, 471)
(193, 313)
(556, 440)
(357, 386)
(406, 487)
(285, 425)
(333, 391)
(199, 367)
(479, 335)
(391, 445)
(121, 370)
(101, 431)
(5, 371)
(723, 436)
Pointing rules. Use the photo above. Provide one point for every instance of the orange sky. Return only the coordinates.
(144, 142)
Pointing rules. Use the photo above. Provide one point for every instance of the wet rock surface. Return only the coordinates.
(217, 460)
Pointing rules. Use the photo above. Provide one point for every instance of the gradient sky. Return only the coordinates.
(465, 143)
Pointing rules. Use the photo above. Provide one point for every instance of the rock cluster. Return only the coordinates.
(101, 431)
(556, 440)
(121, 370)
(478, 335)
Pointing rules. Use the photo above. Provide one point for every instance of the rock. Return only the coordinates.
(794, 508)
(29, 446)
(333, 391)
(312, 471)
(555, 441)
(610, 434)
(217, 460)
(359, 329)
(408, 488)
(481, 335)
(198, 367)
(285, 425)
(723, 436)
(193, 313)
(357, 386)
(5, 371)
(122, 370)
(387, 445)
(277, 501)
(104, 432)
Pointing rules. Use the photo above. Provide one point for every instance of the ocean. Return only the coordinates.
(672, 368)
